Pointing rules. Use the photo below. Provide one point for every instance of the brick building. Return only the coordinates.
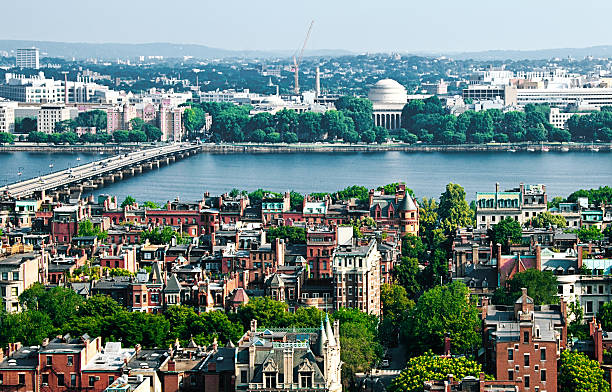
(523, 342)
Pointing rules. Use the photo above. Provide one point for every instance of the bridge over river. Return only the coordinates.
(95, 174)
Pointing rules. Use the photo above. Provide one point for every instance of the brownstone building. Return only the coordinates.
(522, 343)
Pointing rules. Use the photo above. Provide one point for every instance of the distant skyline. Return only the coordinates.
(355, 25)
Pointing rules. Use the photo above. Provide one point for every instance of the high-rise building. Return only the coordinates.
(49, 115)
(356, 276)
(27, 58)
(7, 116)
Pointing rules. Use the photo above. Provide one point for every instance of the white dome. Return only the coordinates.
(388, 91)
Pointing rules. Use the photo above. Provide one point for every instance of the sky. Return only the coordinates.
(355, 25)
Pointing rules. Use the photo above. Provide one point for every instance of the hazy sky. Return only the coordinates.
(357, 25)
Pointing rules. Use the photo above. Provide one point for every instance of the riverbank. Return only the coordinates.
(315, 147)
(340, 147)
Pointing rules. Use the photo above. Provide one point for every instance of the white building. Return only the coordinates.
(356, 275)
(27, 58)
(39, 89)
(388, 99)
(49, 115)
(7, 116)
(563, 97)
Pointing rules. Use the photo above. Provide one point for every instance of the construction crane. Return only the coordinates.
(297, 59)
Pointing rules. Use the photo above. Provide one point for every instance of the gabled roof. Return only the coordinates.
(173, 285)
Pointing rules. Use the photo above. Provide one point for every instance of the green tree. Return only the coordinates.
(547, 219)
(151, 205)
(296, 200)
(64, 126)
(6, 138)
(428, 367)
(309, 127)
(59, 303)
(382, 135)
(604, 316)
(454, 211)
(587, 234)
(412, 246)
(152, 132)
(406, 274)
(395, 302)
(137, 136)
(507, 231)
(292, 234)
(540, 285)
(368, 136)
(267, 312)
(121, 136)
(333, 123)
(87, 229)
(128, 201)
(37, 137)
(578, 373)
(439, 311)
(26, 124)
(136, 124)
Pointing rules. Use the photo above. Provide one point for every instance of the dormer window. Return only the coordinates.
(306, 374)
(270, 380)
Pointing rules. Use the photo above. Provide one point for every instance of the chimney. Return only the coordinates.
(212, 238)
(137, 348)
(251, 360)
(237, 239)
(45, 342)
(538, 252)
(447, 345)
(483, 309)
(579, 257)
(171, 365)
(253, 326)
(499, 254)
(288, 364)
(475, 259)
(370, 197)
(592, 326)
(215, 345)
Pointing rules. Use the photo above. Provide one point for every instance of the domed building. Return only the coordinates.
(388, 99)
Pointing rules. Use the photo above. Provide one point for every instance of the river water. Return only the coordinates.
(426, 173)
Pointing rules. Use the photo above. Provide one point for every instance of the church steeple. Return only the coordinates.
(329, 332)
(322, 339)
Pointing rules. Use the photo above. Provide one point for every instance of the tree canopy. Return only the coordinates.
(429, 367)
(442, 310)
(541, 286)
(580, 374)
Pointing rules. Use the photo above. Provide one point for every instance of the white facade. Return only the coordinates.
(7, 116)
(28, 58)
(562, 97)
(49, 115)
(356, 275)
(388, 99)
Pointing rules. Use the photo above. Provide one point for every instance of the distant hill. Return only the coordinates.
(577, 53)
(111, 51)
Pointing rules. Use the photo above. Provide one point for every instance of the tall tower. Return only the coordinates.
(317, 82)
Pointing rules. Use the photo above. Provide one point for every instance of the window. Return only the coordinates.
(14, 291)
(92, 381)
(510, 375)
(49, 360)
(16, 275)
(526, 357)
(589, 289)
(543, 375)
(1, 379)
(21, 379)
(5, 276)
(70, 360)
(60, 379)
(45, 378)
(526, 381)
(305, 380)
(526, 337)
(270, 380)
(111, 379)
(589, 307)
(510, 354)
(543, 354)
(243, 377)
(73, 380)
(600, 289)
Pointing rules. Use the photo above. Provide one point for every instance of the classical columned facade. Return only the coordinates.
(387, 119)
(388, 99)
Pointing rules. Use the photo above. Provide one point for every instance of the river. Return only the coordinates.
(425, 173)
